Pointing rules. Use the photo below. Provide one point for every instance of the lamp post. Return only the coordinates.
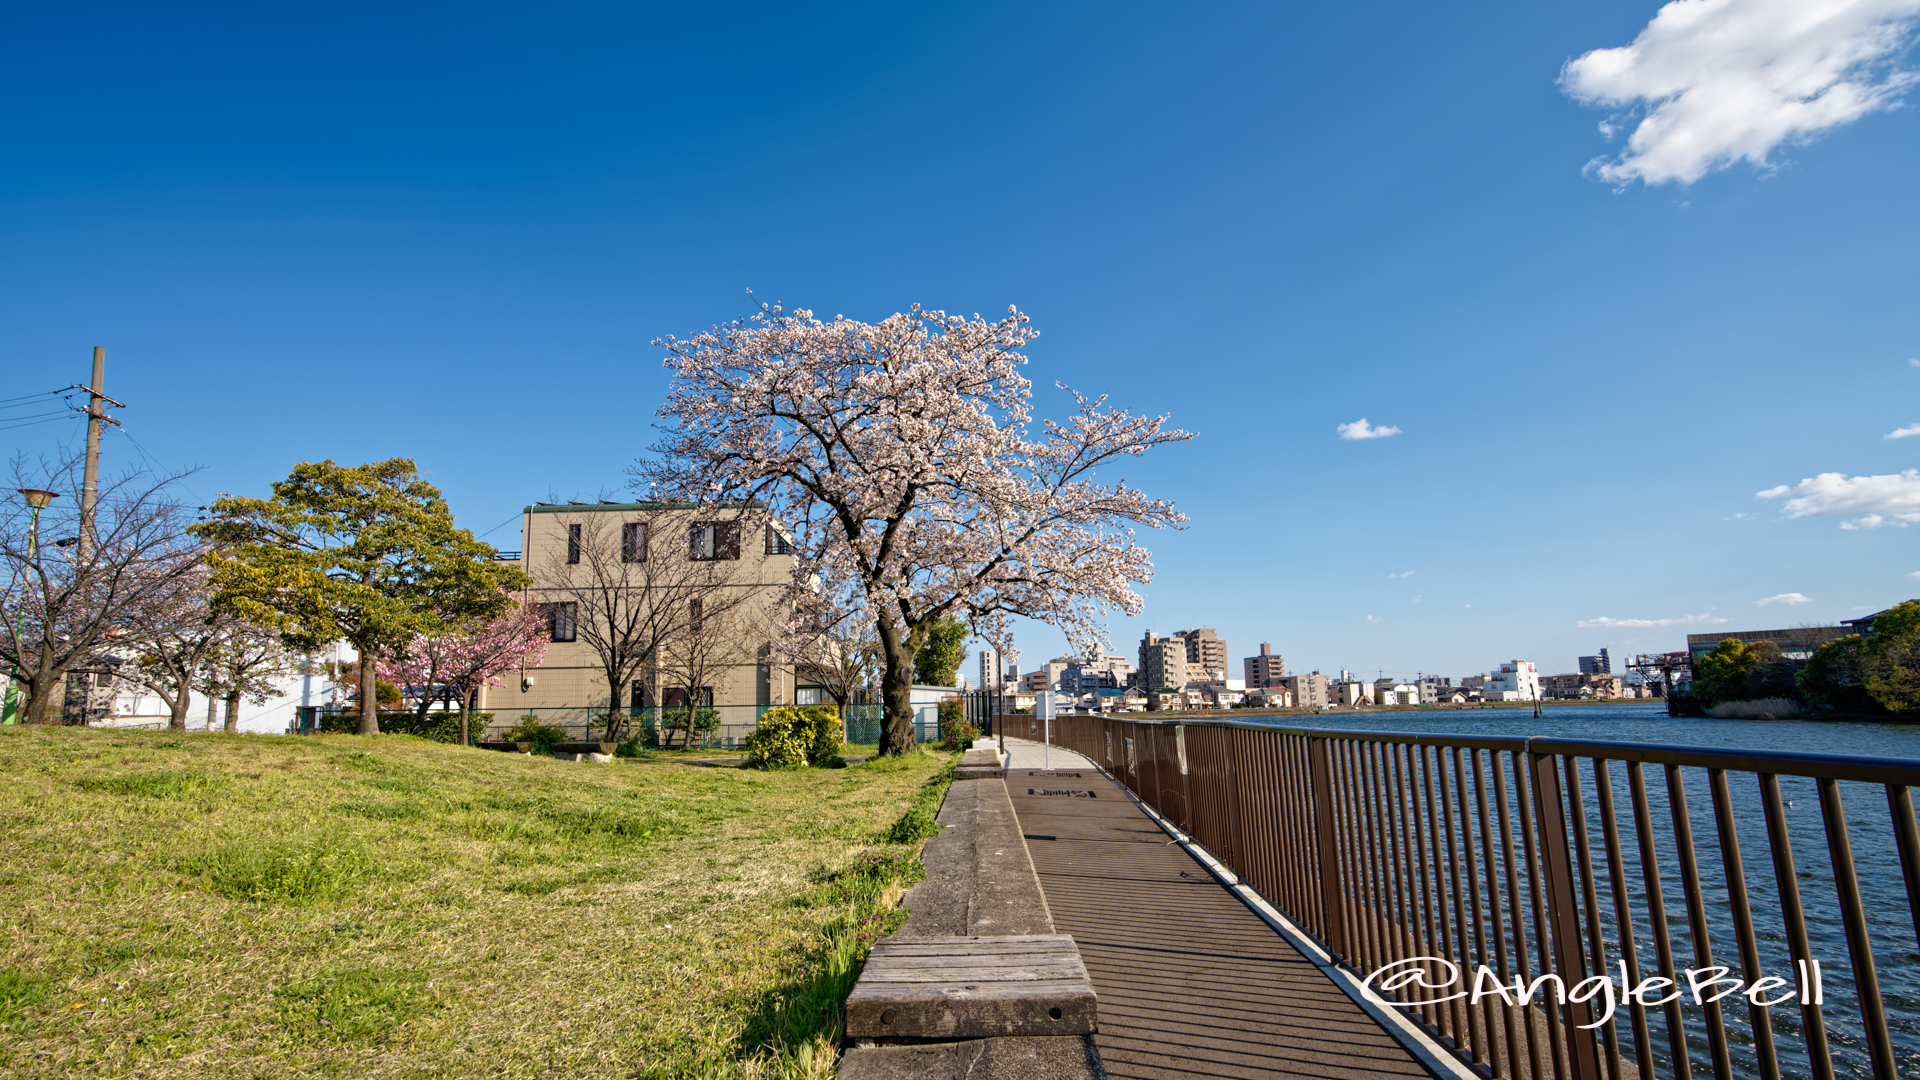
(37, 500)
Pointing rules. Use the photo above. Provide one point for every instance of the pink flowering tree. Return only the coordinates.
(457, 664)
(905, 455)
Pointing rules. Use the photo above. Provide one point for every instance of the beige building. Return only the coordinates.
(699, 591)
(1309, 691)
(1264, 670)
(1206, 654)
(1163, 662)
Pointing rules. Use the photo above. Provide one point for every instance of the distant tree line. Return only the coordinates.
(1855, 675)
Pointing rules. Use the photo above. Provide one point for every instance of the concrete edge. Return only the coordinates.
(1437, 1059)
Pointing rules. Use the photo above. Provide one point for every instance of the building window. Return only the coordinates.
(573, 546)
(633, 542)
(809, 695)
(714, 540)
(693, 616)
(562, 620)
(777, 541)
(676, 697)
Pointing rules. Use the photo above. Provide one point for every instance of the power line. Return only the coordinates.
(27, 397)
(500, 526)
(29, 423)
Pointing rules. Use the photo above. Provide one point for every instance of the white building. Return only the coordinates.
(1515, 680)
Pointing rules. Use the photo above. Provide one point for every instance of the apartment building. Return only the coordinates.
(1516, 680)
(1048, 675)
(1206, 654)
(1309, 691)
(1599, 664)
(992, 676)
(1163, 662)
(1087, 676)
(703, 585)
(1350, 693)
(1266, 669)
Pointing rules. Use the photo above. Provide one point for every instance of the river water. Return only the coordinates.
(1890, 918)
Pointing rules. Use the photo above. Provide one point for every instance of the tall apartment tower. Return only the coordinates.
(1597, 665)
(1206, 654)
(1264, 670)
(990, 674)
(1163, 662)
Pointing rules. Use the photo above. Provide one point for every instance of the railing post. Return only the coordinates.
(1563, 916)
(1326, 855)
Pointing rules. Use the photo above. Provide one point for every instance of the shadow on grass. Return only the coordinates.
(794, 1030)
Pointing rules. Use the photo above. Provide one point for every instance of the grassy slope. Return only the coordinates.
(252, 906)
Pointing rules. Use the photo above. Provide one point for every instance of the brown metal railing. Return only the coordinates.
(1539, 859)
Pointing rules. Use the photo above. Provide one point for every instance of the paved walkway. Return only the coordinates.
(1191, 982)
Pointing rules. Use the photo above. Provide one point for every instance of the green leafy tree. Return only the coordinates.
(1721, 675)
(1833, 678)
(1890, 659)
(367, 553)
(941, 654)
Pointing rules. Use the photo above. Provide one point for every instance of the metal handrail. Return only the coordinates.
(1507, 854)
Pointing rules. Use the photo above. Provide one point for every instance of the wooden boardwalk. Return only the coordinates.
(1191, 983)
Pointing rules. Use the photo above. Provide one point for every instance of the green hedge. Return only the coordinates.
(440, 726)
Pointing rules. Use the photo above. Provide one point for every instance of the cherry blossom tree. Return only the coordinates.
(456, 665)
(906, 456)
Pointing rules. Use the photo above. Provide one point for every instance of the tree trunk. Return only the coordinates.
(213, 711)
(232, 726)
(369, 694)
(466, 696)
(177, 710)
(41, 692)
(896, 689)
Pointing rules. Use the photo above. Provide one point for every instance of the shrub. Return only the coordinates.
(697, 722)
(825, 744)
(531, 730)
(441, 726)
(1833, 678)
(781, 740)
(955, 732)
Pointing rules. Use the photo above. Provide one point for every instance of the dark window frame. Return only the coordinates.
(573, 543)
(633, 542)
(777, 542)
(726, 541)
(563, 620)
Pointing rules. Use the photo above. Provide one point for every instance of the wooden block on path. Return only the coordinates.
(972, 987)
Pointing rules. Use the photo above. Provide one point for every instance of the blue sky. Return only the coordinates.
(451, 232)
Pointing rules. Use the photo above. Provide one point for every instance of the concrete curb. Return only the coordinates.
(980, 882)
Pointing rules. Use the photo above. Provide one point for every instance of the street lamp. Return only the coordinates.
(37, 500)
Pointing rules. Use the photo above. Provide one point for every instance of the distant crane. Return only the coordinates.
(1666, 665)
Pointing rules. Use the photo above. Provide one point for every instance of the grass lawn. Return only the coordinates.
(212, 905)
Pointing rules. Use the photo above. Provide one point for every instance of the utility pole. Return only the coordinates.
(96, 415)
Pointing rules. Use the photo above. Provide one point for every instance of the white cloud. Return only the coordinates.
(1372, 618)
(1360, 429)
(1787, 598)
(1915, 575)
(1893, 499)
(1903, 433)
(1604, 623)
(1913, 361)
(1418, 597)
(1711, 82)
(1406, 574)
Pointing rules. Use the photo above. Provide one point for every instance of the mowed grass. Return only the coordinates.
(210, 905)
